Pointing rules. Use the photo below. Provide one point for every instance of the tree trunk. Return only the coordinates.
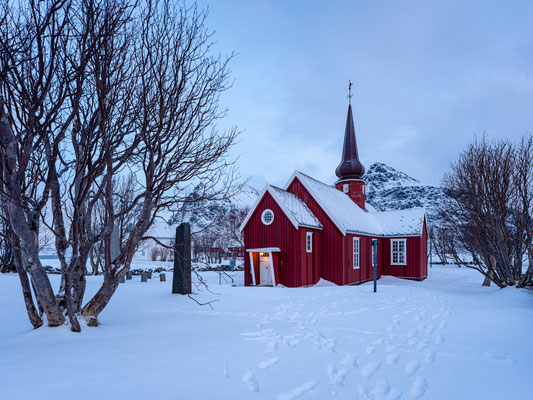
(74, 324)
(100, 300)
(33, 315)
(45, 294)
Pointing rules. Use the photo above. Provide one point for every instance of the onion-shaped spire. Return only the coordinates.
(350, 166)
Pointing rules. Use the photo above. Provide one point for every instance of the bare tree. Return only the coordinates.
(178, 145)
(35, 85)
(487, 214)
(92, 91)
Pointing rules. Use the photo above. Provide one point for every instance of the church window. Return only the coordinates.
(356, 264)
(309, 242)
(398, 252)
(267, 217)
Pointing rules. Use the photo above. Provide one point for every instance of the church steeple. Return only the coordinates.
(350, 171)
(350, 166)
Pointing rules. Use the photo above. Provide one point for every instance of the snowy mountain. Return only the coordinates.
(386, 189)
(390, 189)
(203, 213)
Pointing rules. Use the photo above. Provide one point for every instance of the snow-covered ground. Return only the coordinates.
(444, 338)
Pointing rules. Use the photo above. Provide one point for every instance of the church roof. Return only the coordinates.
(350, 218)
(293, 207)
(350, 166)
(401, 222)
(292, 204)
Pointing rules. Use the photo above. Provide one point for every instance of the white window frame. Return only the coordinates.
(309, 242)
(356, 260)
(398, 252)
(345, 188)
(263, 216)
(372, 249)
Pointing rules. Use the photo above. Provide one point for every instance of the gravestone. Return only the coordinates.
(162, 278)
(181, 280)
(144, 277)
(129, 275)
(149, 273)
(115, 243)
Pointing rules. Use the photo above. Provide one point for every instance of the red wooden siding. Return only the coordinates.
(292, 266)
(332, 257)
(366, 271)
(416, 267)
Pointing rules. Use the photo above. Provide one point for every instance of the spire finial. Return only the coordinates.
(350, 166)
(350, 84)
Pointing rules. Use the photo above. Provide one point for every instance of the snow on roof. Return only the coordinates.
(293, 207)
(162, 230)
(349, 217)
(291, 203)
(401, 222)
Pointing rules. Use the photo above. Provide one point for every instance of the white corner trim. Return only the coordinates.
(252, 267)
(271, 268)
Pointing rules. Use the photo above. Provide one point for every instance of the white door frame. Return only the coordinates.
(252, 267)
(268, 250)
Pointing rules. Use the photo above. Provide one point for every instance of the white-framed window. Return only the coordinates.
(356, 263)
(345, 188)
(373, 254)
(398, 251)
(267, 217)
(309, 242)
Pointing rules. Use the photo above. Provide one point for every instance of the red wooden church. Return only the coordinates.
(310, 230)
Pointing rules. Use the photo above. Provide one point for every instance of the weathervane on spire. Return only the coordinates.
(350, 84)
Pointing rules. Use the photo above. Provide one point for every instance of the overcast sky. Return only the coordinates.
(428, 75)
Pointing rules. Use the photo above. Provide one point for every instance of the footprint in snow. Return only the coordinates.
(381, 391)
(298, 391)
(370, 349)
(266, 364)
(392, 358)
(429, 357)
(418, 388)
(422, 344)
(370, 369)
(443, 324)
(271, 347)
(337, 373)
(249, 380)
(411, 367)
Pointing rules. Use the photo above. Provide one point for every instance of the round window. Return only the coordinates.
(267, 217)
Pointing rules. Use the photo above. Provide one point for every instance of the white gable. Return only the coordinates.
(293, 207)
